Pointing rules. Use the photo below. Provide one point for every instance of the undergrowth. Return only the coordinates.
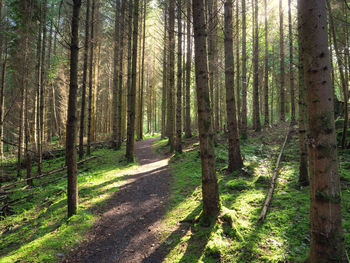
(236, 236)
(38, 229)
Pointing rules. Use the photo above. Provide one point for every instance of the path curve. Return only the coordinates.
(129, 223)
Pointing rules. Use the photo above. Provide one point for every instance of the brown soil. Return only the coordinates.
(129, 225)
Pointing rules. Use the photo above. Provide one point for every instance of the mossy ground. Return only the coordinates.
(283, 236)
(39, 231)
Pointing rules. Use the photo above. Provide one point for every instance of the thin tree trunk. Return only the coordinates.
(234, 153)
(142, 87)
(344, 83)
(244, 71)
(266, 82)
(282, 102)
(71, 162)
(121, 65)
(188, 132)
(42, 91)
(291, 69)
(303, 162)
(85, 69)
(165, 75)
(2, 103)
(171, 85)
(327, 240)
(210, 193)
(130, 141)
(91, 70)
(178, 146)
(238, 69)
(115, 75)
(256, 112)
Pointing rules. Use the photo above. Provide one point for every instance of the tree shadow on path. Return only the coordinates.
(126, 230)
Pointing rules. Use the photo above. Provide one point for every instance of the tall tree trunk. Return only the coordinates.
(83, 92)
(42, 91)
(234, 153)
(266, 82)
(282, 102)
(210, 193)
(2, 102)
(238, 66)
(256, 112)
(130, 141)
(115, 76)
(71, 162)
(37, 93)
(26, 134)
(188, 132)
(291, 69)
(327, 238)
(171, 85)
(178, 146)
(121, 65)
(244, 71)
(2, 88)
(344, 83)
(303, 162)
(212, 53)
(165, 75)
(91, 70)
(142, 87)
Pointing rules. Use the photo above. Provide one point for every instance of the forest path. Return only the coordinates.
(130, 220)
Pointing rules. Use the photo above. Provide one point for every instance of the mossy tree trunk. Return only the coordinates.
(234, 153)
(210, 193)
(327, 238)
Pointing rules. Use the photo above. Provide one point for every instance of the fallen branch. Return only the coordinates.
(273, 179)
(45, 174)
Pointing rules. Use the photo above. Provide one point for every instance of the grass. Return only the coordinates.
(236, 236)
(39, 231)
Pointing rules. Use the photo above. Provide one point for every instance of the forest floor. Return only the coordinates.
(140, 212)
(126, 231)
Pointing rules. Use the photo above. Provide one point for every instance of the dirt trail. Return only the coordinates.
(127, 229)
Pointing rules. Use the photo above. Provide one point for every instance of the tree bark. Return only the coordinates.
(327, 238)
(178, 145)
(291, 69)
(188, 132)
(282, 102)
(91, 70)
(71, 162)
(130, 141)
(171, 85)
(256, 112)
(211, 203)
(244, 71)
(83, 92)
(121, 65)
(165, 75)
(266, 82)
(42, 90)
(115, 76)
(142, 86)
(303, 162)
(234, 153)
(342, 75)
